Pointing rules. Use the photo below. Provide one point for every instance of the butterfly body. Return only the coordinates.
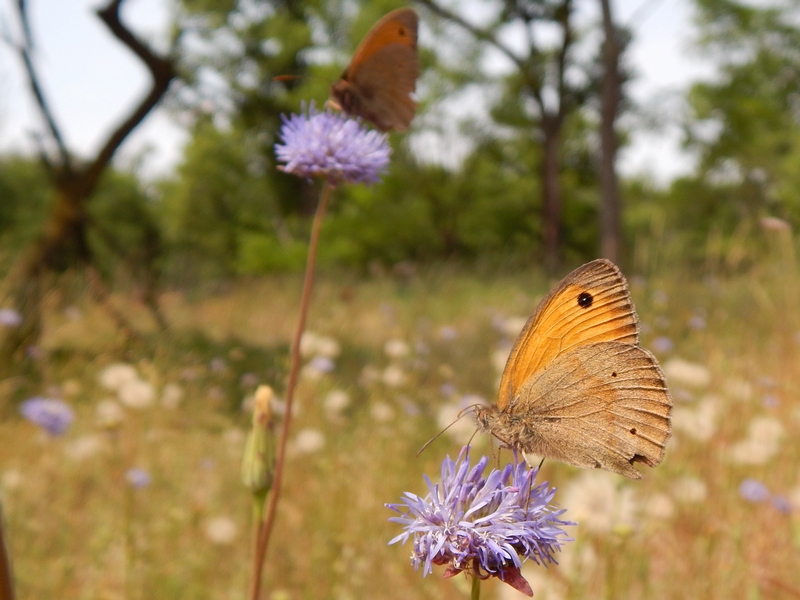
(378, 83)
(577, 387)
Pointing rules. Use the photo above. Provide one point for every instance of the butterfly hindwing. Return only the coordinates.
(602, 405)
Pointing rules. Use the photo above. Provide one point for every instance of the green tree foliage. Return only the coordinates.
(229, 210)
(125, 235)
(24, 202)
(744, 124)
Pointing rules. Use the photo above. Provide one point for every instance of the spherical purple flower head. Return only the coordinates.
(53, 416)
(486, 526)
(332, 146)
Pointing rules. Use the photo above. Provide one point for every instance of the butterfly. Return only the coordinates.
(577, 387)
(378, 83)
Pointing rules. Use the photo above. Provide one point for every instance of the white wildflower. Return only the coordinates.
(698, 423)
(382, 412)
(599, 504)
(336, 402)
(689, 490)
(761, 444)
(109, 414)
(117, 375)
(683, 372)
(137, 394)
(11, 479)
(766, 430)
(221, 530)
(85, 447)
(738, 389)
(396, 348)
(512, 326)
(459, 430)
(660, 507)
(500, 358)
(393, 376)
(308, 441)
(314, 344)
(171, 396)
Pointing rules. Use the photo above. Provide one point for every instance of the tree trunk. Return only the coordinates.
(63, 241)
(610, 201)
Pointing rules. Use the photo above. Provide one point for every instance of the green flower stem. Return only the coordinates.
(475, 594)
(265, 527)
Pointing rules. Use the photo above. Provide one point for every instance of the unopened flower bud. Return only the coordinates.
(258, 462)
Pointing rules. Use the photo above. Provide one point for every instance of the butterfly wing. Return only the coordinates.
(600, 405)
(383, 73)
(397, 27)
(591, 305)
(380, 90)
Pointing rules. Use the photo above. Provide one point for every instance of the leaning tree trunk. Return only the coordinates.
(63, 241)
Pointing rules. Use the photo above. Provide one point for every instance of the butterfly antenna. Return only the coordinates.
(461, 414)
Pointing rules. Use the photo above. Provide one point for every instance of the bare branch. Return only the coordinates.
(480, 34)
(24, 50)
(533, 82)
(162, 71)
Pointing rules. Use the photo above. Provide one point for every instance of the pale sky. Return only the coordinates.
(91, 80)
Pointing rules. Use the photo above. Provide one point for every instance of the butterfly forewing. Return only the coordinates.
(399, 26)
(591, 305)
(382, 75)
(597, 406)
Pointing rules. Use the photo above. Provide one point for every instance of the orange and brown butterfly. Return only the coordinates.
(378, 83)
(577, 386)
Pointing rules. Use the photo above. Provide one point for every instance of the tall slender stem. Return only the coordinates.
(6, 574)
(265, 528)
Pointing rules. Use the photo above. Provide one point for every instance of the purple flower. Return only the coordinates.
(770, 401)
(782, 504)
(487, 526)
(697, 323)
(332, 146)
(753, 490)
(662, 344)
(137, 478)
(322, 364)
(448, 389)
(52, 415)
(10, 318)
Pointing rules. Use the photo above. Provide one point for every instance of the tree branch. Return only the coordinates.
(162, 71)
(480, 34)
(24, 50)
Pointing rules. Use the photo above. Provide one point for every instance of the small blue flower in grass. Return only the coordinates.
(753, 490)
(332, 146)
(52, 415)
(485, 526)
(137, 478)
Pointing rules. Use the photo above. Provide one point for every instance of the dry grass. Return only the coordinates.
(77, 529)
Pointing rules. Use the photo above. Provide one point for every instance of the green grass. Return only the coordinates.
(77, 530)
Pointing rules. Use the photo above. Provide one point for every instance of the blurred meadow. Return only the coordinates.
(387, 364)
(146, 310)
